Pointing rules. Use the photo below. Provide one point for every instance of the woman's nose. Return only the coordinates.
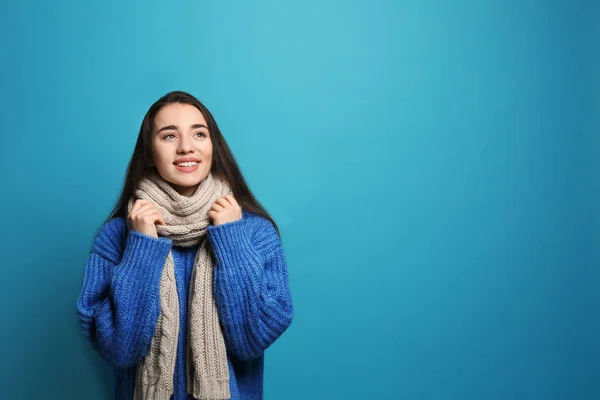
(184, 145)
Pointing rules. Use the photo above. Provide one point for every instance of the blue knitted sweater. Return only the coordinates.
(118, 306)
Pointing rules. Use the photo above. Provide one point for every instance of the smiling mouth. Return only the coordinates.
(187, 164)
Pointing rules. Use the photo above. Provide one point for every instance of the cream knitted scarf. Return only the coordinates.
(186, 222)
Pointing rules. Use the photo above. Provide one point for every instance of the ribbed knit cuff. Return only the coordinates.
(141, 248)
(229, 240)
(238, 271)
(136, 280)
(143, 259)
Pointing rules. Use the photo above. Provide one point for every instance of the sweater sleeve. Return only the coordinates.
(251, 286)
(119, 302)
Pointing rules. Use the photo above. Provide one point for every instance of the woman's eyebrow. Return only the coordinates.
(167, 128)
(175, 127)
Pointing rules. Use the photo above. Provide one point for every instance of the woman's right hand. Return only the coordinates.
(144, 216)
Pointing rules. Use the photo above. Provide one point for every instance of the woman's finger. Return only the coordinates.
(232, 200)
(141, 209)
(152, 214)
(222, 201)
(136, 206)
(158, 217)
(217, 207)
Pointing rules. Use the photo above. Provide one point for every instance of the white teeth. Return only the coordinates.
(187, 164)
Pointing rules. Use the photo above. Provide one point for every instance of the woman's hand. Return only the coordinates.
(144, 216)
(225, 209)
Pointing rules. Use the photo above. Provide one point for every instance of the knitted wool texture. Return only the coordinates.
(186, 222)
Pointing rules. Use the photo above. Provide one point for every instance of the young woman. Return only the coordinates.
(186, 284)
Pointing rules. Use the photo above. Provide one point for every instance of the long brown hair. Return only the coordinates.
(224, 165)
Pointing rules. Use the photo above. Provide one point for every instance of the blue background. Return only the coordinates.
(433, 167)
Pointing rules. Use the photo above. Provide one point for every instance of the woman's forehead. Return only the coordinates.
(179, 114)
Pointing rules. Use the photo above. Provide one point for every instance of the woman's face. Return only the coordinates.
(181, 147)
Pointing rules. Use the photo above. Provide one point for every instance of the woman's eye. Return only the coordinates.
(201, 134)
(168, 136)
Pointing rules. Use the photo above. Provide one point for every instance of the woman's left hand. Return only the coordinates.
(224, 210)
